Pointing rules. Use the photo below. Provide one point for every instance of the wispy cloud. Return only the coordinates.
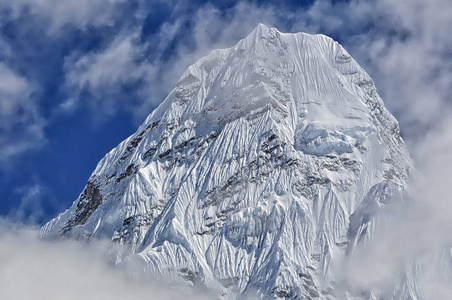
(412, 63)
(30, 207)
(104, 74)
(21, 124)
(33, 203)
(412, 240)
(127, 60)
(57, 14)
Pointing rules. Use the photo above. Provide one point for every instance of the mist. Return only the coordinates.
(32, 268)
(412, 242)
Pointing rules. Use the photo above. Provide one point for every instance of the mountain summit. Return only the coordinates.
(265, 163)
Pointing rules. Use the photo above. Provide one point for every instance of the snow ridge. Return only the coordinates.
(254, 174)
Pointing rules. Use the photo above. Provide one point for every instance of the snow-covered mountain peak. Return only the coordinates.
(262, 165)
(291, 74)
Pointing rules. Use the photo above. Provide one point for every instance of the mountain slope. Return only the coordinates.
(260, 168)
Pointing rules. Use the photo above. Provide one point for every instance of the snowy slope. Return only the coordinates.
(263, 164)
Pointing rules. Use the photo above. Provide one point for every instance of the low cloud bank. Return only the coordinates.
(32, 268)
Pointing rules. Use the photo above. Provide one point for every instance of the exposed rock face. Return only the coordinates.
(263, 165)
(88, 202)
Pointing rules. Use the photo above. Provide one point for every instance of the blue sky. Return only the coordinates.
(78, 77)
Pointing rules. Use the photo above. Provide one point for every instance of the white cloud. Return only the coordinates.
(30, 207)
(21, 125)
(116, 65)
(410, 59)
(415, 233)
(37, 269)
(103, 74)
(34, 202)
(58, 13)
